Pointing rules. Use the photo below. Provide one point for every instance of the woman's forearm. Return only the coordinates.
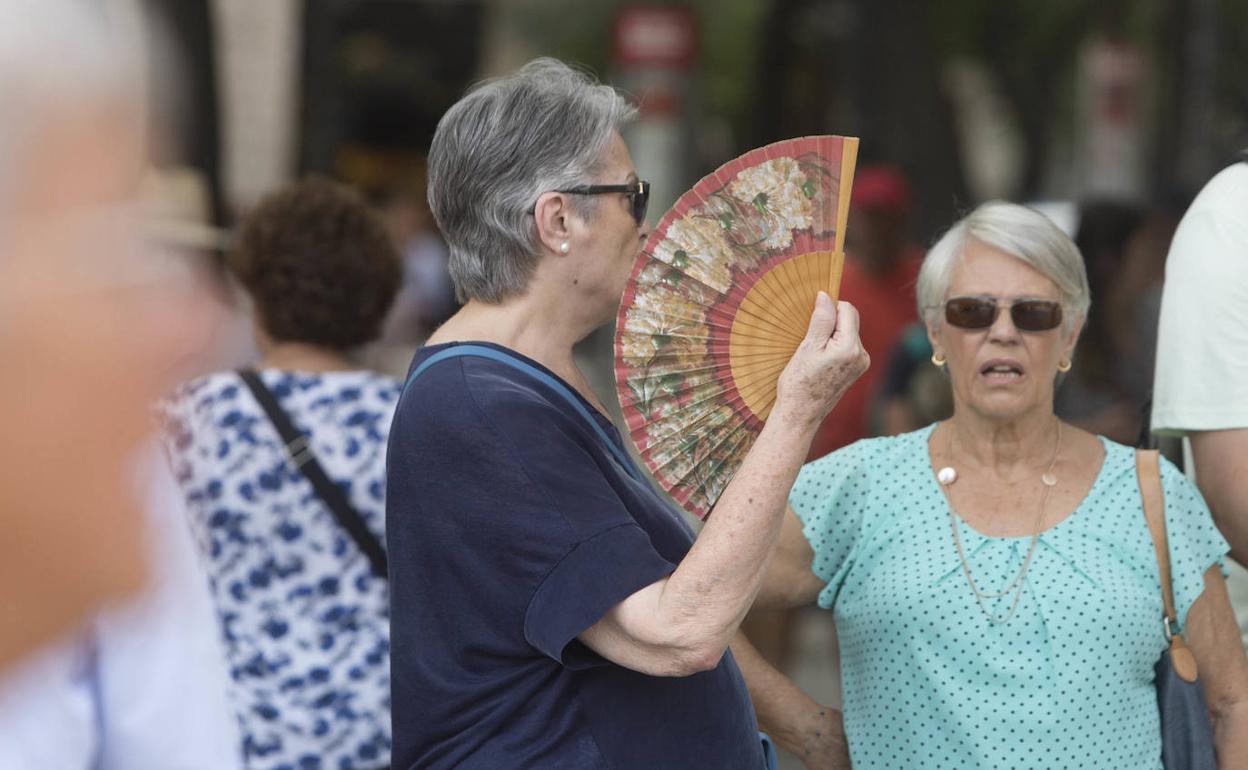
(683, 623)
(1213, 636)
(795, 721)
(706, 598)
(1230, 732)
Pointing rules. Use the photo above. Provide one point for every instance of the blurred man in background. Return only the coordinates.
(1201, 381)
(1124, 245)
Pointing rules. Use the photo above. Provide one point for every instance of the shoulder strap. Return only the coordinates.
(1148, 471)
(480, 351)
(299, 451)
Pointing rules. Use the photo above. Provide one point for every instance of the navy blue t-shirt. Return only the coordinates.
(512, 529)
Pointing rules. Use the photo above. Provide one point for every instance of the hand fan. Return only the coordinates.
(719, 299)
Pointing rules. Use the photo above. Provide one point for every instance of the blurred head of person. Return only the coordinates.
(880, 206)
(1105, 227)
(320, 267)
(1125, 245)
(91, 322)
(516, 172)
(1004, 294)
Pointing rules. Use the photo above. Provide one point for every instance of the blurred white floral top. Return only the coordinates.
(304, 621)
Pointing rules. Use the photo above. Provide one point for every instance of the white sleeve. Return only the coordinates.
(161, 671)
(1201, 380)
(47, 710)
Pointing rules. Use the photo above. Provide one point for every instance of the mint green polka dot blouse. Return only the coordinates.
(929, 681)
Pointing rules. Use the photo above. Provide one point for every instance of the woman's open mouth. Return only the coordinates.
(1002, 371)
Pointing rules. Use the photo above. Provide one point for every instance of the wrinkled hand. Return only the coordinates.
(827, 361)
(825, 747)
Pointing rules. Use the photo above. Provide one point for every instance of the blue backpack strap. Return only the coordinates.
(480, 351)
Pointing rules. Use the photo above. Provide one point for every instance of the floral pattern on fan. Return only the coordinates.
(781, 193)
(701, 337)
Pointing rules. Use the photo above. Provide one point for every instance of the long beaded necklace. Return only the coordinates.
(947, 476)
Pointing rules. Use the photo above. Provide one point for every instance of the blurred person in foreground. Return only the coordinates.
(1201, 380)
(302, 600)
(881, 265)
(993, 577)
(550, 608)
(140, 686)
(92, 326)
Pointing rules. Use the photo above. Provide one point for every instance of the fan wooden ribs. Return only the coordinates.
(719, 299)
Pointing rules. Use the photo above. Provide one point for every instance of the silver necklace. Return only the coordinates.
(947, 476)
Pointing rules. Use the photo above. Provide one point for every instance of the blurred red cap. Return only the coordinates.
(881, 188)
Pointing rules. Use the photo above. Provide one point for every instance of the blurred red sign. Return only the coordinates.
(654, 36)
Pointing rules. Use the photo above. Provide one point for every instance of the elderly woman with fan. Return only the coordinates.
(549, 608)
(993, 577)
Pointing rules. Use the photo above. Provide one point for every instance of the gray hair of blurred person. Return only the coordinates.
(1021, 232)
(56, 57)
(546, 127)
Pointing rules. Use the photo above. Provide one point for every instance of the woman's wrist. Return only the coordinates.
(804, 419)
(816, 737)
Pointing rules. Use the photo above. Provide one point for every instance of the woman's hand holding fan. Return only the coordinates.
(720, 299)
(827, 361)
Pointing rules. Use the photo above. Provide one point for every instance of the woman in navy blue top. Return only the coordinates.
(549, 608)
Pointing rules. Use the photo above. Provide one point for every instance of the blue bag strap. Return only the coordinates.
(480, 351)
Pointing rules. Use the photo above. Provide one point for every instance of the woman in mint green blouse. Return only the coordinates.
(992, 577)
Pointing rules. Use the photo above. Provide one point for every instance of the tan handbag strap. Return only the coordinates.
(1148, 471)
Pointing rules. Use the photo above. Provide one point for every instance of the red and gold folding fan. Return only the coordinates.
(719, 299)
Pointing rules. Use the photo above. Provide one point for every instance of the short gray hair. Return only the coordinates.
(55, 53)
(545, 127)
(1018, 231)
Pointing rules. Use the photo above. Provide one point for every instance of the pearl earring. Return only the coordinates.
(938, 359)
(564, 247)
(1064, 365)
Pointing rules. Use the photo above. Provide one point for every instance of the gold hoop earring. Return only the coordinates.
(1064, 365)
(938, 359)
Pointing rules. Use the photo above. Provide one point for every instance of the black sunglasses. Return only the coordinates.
(1028, 315)
(638, 195)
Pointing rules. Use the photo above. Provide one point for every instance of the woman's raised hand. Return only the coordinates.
(827, 361)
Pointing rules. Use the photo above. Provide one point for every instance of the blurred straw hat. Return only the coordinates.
(175, 210)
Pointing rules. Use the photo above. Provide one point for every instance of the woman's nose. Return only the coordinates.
(1003, 328)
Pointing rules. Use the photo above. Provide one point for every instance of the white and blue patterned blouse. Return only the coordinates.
(304, 621)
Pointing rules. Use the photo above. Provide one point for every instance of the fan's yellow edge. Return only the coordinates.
(849, 162)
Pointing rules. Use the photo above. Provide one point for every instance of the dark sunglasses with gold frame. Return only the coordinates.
(1028, 315)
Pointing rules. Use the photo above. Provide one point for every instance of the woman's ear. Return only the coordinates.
(933, 335)
(550, 215)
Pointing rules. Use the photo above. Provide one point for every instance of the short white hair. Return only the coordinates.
(1021, 232)
(54, 55)
(545, 127)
